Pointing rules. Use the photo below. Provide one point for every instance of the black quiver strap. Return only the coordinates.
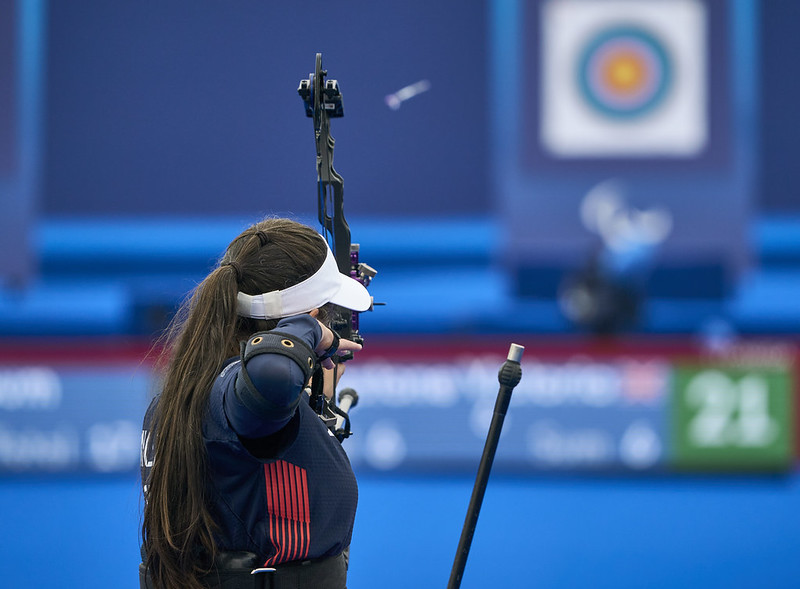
(272, 342)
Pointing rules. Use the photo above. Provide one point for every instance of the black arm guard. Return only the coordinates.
(272, 342)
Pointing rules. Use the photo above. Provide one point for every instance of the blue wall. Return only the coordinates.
(192, 107)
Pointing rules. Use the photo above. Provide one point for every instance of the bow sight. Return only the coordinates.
(331, 98)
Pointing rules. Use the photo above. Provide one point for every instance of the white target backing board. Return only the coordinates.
(623, 78)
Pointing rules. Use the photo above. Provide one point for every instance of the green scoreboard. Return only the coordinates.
(729, 415)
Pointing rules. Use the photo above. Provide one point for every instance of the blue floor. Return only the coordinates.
(547, 533)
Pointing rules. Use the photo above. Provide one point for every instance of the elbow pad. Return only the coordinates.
(272, 342)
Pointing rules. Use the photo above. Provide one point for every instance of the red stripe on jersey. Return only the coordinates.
(269, 476)
(306, 519)
(288, 511)
(270, 508)
(284, 524)
(293, 506)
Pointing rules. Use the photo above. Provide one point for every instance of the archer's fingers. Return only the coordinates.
(346, 345)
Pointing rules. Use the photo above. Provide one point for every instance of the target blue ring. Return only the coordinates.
(655, 50)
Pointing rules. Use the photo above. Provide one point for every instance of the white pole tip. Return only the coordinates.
(515, 352)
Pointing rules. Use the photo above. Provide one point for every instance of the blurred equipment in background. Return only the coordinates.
(607, 294)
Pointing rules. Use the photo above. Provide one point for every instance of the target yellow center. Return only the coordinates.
(624, 73)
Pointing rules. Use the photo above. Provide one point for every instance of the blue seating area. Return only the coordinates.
(123, 277)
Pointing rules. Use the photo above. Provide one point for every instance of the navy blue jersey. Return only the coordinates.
(290, 494)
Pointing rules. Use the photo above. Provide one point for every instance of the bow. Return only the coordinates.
(323, 101)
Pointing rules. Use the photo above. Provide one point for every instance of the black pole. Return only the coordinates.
(509, 376)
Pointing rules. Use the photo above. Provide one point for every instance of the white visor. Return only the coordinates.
(326, 285)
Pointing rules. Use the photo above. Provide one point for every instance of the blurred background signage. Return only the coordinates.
(573, 411)
(65, 414)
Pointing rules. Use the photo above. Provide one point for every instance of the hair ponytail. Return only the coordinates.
(177, 525)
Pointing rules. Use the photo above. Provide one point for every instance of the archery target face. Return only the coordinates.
(623, 78)
(624, 72)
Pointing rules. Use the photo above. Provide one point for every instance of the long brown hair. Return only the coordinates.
(178, 529)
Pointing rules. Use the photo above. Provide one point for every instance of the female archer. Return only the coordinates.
(240, 475)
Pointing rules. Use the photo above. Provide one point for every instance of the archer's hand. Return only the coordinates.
(326, 341)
